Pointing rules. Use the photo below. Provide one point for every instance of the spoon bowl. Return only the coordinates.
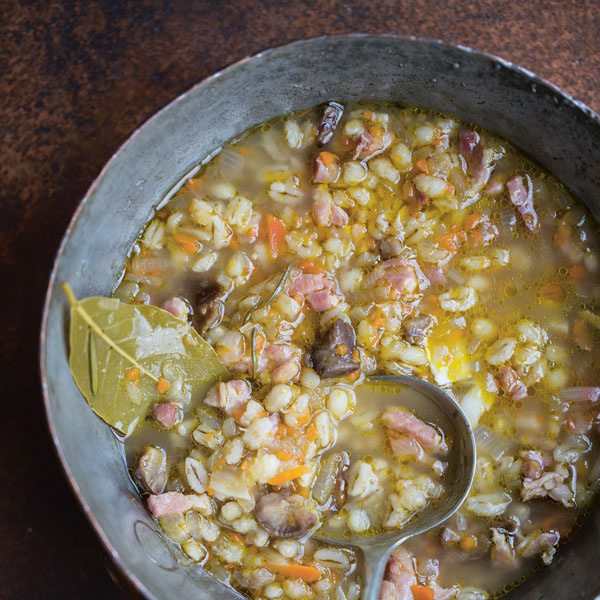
(376, 549)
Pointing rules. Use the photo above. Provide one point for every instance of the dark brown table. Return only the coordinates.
(76, 79)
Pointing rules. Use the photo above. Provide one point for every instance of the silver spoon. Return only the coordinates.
(376, 549)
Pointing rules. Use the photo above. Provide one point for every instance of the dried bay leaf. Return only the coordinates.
(108, 337)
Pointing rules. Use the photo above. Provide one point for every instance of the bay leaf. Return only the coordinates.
(108, 337)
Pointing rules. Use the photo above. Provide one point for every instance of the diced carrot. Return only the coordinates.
(311, 433)
(296, 571)
(472, 221)
(163, 385)
(422, 165)
(209, 490)
(276, 235)
(234, 242)
(378, 318)
(245, 464)
(192, 184)
(132, 374)
(189, 244)
(289, 475)
(236, 537)
(327, 158)
(577, 272)
(304, 418)
(421, 592)
(284, 455)
(238, 413)
(468, 543)
(352, 376)
(368, 114)
(281, 430)
(310, 267)
(303, 491)
(561, 237)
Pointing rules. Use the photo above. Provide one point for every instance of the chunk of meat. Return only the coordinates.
(326, 168)
(401, 573)
(533, 464)
(333, 355)
(502, 549)
(371, 143)
(407, 447)
(388, 591)
(165, 413)
(399, 419)
(523, 200)
(551, 484)
(436, 274)
(403, 278)
(169, 503)
(326, 212)
(476, 156)
(229, 396)
(542, 543)
(177, 307)
(512, 384)
(286, 371)
(284, 517)
(330, 117)
(208, 309)
(339, 217)
(309, 283)
(564, 240)
(253, 579)
(151, 470)
(494, 187)
(482, 232)
(322, 300)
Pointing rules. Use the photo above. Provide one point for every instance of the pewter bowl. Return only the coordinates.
(560, 133)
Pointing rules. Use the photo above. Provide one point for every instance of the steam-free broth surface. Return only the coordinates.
(344, 242)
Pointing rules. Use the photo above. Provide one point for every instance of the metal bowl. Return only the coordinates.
(560, 133)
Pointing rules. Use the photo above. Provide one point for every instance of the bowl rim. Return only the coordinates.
(535, 80)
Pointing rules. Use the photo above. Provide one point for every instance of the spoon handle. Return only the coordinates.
(375, 560)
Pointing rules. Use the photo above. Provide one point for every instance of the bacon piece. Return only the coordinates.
(339, 217)
(523, 200)
(401, 573)
(229, 396)
(403, 278)
(402, 420)
(286, 371)
(511, 384)
(169, 503)
(476, 156)
(407, 446)
(533, 464)
(177, 307)
(369, 145)
(322, 300)
(436, 274)
(165, 413)
(309, 283)
(325, 173)
(551, 484)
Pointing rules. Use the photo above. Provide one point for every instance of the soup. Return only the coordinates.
(343, 242)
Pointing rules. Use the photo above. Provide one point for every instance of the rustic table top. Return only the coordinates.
(76, 79)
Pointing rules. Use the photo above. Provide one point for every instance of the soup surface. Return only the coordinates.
(339, 243)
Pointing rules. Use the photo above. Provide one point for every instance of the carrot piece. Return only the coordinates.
(276, 235)
(472, 221)
(296, 571)
(132, 374)
(378, 318)
(189, 244)
(422, 165)
(577, 272)
(304, 418)
(327, 158)
(236, 537)
(192, 184)
(303, 491)
(245, 464)
(553, 292)
(288, 475)
(163, 385)
(284, 455)
(209, 490)
(310, 267)
(311, 433)
(421, 592)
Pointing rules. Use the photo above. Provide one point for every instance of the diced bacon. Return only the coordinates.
(177, 307)
(402, 420)
(388, 591)
(533, 464)
(169, 503)
(322, 211)
(407, 446)
(368, 145)
(551, 484)
(494, 187)
(403, 279)
(307, 284)
(278, 353)
(325, 173)
(286, 371)
(468, 142)
(401, 573)
(322, 300)
(229, 396)
(165, 413)
(538, 542)
(523, 200)
(435, 275)
(339, 217)
(565, 241)
(511, 384)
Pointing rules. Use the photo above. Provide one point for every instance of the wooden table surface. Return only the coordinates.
(76, 79)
